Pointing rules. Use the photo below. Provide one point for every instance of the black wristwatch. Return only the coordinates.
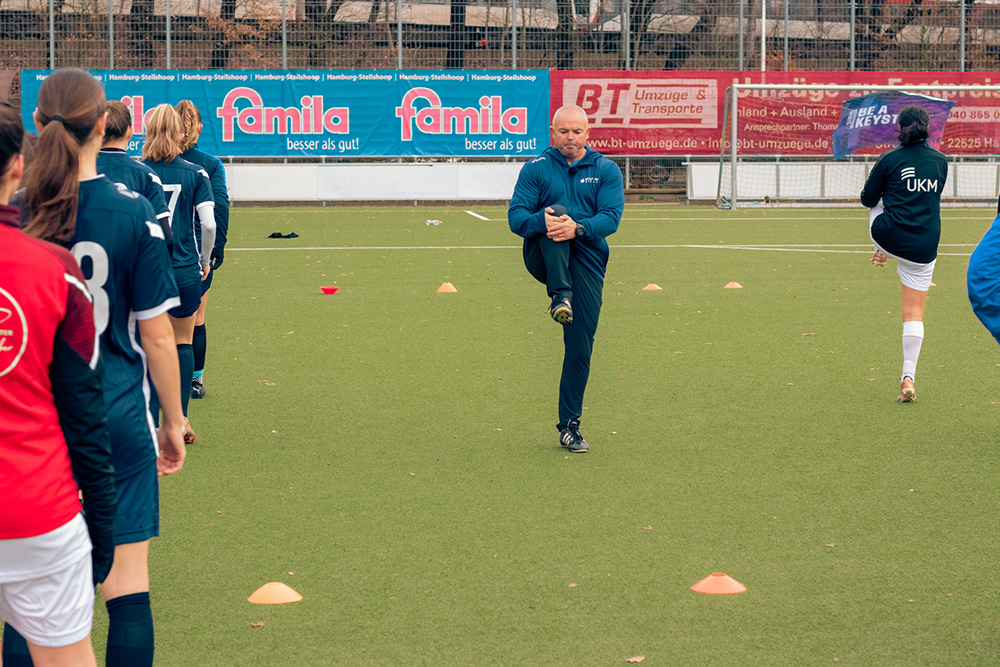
(580, 231)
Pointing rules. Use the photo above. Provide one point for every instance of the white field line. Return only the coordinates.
(476, 215)
(829, 249)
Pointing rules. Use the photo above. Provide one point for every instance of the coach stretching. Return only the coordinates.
(568, 252)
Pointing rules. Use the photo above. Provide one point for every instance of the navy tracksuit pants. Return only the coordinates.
(555, 264)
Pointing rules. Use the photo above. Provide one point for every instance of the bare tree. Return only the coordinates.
(876, 31)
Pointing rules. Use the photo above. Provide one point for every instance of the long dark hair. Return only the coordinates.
(11, 136)
(913, 123)
(70, 102)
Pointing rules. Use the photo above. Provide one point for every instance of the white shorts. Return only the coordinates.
(52, 610)
(913, 275)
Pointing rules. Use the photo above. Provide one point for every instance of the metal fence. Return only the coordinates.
(498, 34)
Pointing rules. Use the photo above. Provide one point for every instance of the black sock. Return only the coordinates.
(200, 344)
(185, 354)
(15, 648)
(130, 631)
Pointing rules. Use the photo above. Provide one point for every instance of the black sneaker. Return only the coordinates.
(570, 438)
(198, 388)
(560, 310)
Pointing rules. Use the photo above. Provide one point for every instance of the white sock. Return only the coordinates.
(913, 336)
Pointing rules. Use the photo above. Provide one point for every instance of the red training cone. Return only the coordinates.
(329, 290)
(719, 583)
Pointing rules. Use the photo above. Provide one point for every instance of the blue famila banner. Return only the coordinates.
(294, 113)
(872, 120)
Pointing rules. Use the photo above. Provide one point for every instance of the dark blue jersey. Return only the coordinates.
(120, 249)
(217, 176)
(137, 177)
(590, 189)
(187, 188)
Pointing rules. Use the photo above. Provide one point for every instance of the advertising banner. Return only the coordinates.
(873, 120)
(681, 113)
(294, 113)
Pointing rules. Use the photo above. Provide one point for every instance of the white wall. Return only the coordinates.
(371, 182)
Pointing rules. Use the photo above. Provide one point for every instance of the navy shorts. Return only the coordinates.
(207, 282)
(138, 517)
(190, 300)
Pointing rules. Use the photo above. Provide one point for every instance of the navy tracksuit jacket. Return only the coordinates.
(591, 189)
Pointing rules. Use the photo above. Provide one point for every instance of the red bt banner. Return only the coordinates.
(681, 113)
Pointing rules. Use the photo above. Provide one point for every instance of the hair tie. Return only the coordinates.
(59, 118)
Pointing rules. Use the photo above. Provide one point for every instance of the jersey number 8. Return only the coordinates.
(95, 283)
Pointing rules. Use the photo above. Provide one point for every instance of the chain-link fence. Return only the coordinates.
(500, 34)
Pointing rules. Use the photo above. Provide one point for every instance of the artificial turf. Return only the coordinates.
(390, 452)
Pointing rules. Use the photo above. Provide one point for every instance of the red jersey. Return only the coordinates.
(42, 297)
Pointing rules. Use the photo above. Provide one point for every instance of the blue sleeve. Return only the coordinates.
(526, 216)
(203, 192)
(153, 191)
(873, 189)
(610, 203)
(221, 194)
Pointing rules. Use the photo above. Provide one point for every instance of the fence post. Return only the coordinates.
(111, 34)
(284, 35)
(786, 35)
(168, 34)
(763, 35)
(513, 40)
(52, 35)
(626, 32)
(741, 35)
(399, 34)
(854, 9)
(961, 37)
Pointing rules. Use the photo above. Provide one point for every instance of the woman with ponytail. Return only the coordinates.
(191, 119)
(53, 441)
(903, 192)
(189, 196)
(113, 234)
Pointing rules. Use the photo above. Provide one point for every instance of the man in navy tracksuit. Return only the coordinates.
(568, 252)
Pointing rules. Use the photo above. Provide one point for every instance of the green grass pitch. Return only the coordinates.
(391, 453)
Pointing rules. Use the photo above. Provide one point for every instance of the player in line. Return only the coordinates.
(51, 556)
(114, 163)
(903, 192)
(114, 237)
(569, 252)
(189, 194)
(191, 118)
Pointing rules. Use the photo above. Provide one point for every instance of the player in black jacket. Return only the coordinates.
(903, 192)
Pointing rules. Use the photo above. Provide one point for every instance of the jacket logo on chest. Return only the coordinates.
(590, 179)
(914, 184)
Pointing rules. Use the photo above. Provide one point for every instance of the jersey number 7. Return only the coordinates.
(175, 193)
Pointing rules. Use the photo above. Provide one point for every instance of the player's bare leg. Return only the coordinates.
(184, 335)
(80, 654)
(126, 594)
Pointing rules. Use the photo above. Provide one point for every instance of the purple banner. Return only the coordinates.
(872, 120)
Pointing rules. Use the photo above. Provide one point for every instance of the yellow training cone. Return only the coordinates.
(719, 583)
(652, 287)
(733, 286)
(274, 593)
(447, 287)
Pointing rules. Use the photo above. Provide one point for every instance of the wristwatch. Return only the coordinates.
(580, 230)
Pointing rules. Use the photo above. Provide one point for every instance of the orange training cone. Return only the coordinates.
(733, 286)
(447, 287)
(718, 583)
(652, 287)
(274, 593)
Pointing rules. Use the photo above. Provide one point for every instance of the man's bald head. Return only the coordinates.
(570, 131)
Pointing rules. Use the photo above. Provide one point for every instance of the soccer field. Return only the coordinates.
(390, 451)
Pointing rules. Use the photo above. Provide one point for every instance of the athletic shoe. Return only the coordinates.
(560, 310)
(189, 435)
(570, 438)
(198, 388)
(907, 392)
